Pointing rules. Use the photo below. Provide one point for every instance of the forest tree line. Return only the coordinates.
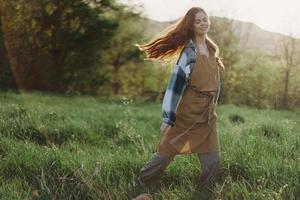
(87, 47)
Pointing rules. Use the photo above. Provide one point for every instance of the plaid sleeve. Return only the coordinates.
(175, 89)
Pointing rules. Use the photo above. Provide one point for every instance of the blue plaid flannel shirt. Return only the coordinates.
(178, 82)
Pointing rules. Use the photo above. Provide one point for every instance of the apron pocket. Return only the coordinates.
(193, 109)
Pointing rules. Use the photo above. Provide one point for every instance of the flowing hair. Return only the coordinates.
(169, 43)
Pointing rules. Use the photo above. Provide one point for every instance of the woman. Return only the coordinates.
(189, 116)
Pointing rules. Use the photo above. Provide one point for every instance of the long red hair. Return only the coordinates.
(171, 41)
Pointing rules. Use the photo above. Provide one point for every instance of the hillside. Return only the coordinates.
(251, 36)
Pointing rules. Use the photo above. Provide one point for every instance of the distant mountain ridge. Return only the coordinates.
(252, 37)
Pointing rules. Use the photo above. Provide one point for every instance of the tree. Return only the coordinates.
(53, 43)
(125, 70)
(287, 52)
(6, 77)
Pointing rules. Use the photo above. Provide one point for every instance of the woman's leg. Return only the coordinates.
(210, 166)
(154, 167)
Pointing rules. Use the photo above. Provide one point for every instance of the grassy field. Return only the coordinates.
(59, 147)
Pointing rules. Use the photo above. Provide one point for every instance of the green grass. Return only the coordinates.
(82, 147)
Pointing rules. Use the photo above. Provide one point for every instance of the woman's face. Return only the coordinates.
(201, 23)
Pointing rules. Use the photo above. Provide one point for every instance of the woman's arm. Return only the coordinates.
(221, 69)
(218, 92)
(175, 88)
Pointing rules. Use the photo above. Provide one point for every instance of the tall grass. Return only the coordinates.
(60, 147)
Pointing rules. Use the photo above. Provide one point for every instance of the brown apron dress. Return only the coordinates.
(195, 129)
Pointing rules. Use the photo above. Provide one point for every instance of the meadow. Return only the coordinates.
(84, 147)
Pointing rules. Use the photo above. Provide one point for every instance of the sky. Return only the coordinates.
(271, 15)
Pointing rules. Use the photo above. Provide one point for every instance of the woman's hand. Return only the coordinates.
(164, 128)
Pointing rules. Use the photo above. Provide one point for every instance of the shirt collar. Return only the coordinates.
(192, 44)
